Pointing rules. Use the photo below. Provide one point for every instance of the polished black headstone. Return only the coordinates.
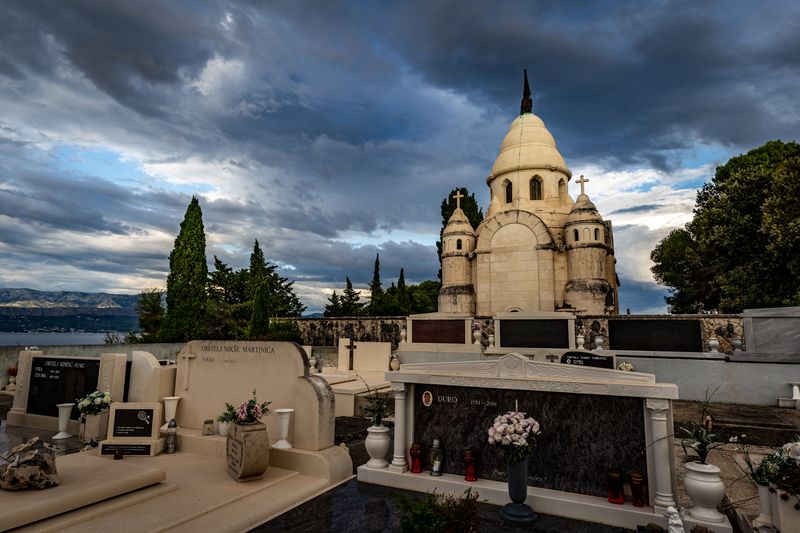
(133, 422)
(57, 380)
(655, 335)
(534, 333)
(438, 331)
(583, 436)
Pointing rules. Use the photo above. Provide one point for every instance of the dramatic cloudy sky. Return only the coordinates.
(332, 130)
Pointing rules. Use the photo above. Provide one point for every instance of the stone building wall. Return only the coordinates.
(327, 331)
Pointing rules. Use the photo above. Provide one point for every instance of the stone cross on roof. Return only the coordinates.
(582, 181)
(458, 196)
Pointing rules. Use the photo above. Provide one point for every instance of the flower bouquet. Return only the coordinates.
(627, 366)
(94, 403)
(250, 411)
(784, 467)
(515, 434)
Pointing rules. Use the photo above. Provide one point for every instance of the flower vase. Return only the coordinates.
(518, 512)
(706, 489)
(224, 428)
(377, 444)
(95, 427)
(248, 451)
(764, 519)
(170, 407)
(476, 337)
(64, 411)
(284, 415)
(785, 517)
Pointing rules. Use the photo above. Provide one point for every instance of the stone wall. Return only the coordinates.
(328, 331)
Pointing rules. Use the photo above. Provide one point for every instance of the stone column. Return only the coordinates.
(659, 432)
(399, 458)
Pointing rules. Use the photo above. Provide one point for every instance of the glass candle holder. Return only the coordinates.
(616, 487)
(470, 465)
(638, 488)
(416, 458)
(436, 458)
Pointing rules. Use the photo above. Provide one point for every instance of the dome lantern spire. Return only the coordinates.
(527, 102)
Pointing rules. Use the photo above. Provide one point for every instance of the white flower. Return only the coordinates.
(98, 401)
(106, 399)
(792, 449)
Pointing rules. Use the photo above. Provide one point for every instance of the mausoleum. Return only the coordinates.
(537, 249)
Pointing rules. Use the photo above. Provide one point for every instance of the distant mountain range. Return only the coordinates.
(30, 310)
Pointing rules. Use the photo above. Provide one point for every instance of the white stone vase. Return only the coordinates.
(491, 341)
(706, 489)
(312, 365)
(476, 337)
(224, 428)
(580, 341)
(377, 445)
(284, 416)
(713, 344)
(784, 516)
(64, 410)
(170, 407)
(764, 519)
(403, 335)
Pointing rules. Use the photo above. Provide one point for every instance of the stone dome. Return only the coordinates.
(584, 210)
(528, 145)
(458, 224)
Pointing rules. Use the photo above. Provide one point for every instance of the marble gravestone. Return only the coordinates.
(43, 380)
(133, 427)
(526, 331)
(439, 328)
(659, 335)
(367, 356)
(211, 373)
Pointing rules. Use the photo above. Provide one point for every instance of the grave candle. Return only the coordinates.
(470, 465)
(416, 458)
(516, 405)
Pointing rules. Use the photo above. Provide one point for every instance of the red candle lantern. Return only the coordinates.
(638, 488)
(616, 487)
(416, 458)
(470, 465)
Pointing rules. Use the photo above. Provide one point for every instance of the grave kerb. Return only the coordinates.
(517, 372)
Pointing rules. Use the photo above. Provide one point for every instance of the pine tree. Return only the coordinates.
(259, 317)
(376, 291)
(471, 209)
(351, 300)
(334, 307)
(185, 317)
(150, 309)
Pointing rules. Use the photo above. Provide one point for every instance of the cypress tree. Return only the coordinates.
(402, 294)
(258, 329)
(185, 317)
(376, 292)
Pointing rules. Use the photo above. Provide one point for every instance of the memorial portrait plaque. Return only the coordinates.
(534, 333)
(583, 436)
(134, 422)
(588, 359)
(127, 449)
(57, 380)
(655, 335)
(438, 331)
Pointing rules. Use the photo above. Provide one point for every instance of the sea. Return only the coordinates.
(49, 339)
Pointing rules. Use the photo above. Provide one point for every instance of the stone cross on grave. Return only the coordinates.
(351, 347)
(582, 181)
(458, 196)
(552, 357)
(187, 356)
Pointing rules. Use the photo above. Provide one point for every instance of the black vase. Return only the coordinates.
(518, 512)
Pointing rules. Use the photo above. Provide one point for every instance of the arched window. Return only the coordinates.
(596, 234)
(536, 188)
(562, 190)
(509, 192)
(576, 236)
(458, 243)
(586, 234)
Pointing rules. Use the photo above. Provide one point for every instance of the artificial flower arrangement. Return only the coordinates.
(783, 468)
(476, 326)
(250, 411)
(515, 434)
(94, 403)
(627, 366)
(699, 436)
(228, 415)
(12, 371)
(759, 474)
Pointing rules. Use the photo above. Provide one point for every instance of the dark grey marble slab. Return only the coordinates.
(583, 436)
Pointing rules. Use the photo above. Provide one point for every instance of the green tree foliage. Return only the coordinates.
(471, 209)
(351, 300)
(334, 306)
(186, 283)
(151, 314)
(741, 248)
(424, 298)
(376, 301)
(281, 298)
(258, 329)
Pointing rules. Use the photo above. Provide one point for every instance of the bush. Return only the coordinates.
(440, 513)
(284, 330)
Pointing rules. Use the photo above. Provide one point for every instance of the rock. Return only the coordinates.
(32, 465)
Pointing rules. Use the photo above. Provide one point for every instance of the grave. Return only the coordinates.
(438, 337)
(44, 381)
(525, 332)
(772, 330)
(593, 420)
(150, 381)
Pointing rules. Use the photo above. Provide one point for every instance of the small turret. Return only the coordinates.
(457, 294)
